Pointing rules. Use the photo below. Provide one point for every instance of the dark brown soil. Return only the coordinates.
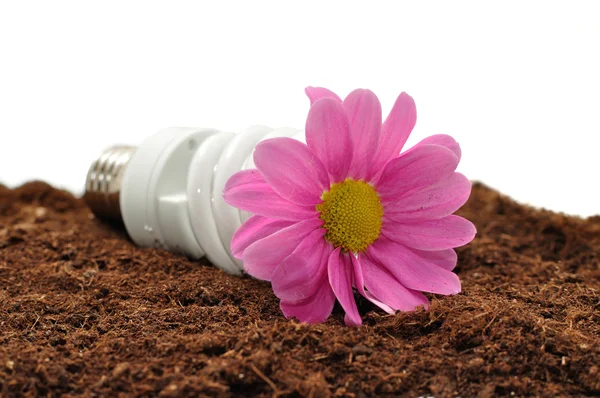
(85, 312)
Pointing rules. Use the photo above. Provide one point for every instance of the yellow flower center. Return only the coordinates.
(352, 212)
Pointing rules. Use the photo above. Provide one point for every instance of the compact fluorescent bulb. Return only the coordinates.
(168, 191)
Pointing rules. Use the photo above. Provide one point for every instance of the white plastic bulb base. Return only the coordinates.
(168, 191)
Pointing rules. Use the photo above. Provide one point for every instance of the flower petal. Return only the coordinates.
(314, 309)
(442, 140)
(292, 170)
(254, 229)
(447, 259)
(247, 190)
(296, 278)
(412, 270)
(364, 114)
(340, 272)
(359, 284)
(434, 201)
(386, 288)
(315, 93)
(328, 135)
(396, 130)
(263, 256)
(415, 169)
(444, 233)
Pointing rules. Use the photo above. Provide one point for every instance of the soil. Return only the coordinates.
(83, 311)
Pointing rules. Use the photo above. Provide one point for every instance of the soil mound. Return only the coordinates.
(85, 312)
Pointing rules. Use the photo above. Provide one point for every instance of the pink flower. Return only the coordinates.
(348, 210)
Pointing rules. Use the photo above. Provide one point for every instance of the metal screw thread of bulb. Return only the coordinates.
(104, 179)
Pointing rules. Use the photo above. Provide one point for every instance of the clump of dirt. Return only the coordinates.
(83, 311)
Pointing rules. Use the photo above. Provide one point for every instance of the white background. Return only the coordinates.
(516, 83)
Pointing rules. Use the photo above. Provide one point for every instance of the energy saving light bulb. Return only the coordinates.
(168, 191)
